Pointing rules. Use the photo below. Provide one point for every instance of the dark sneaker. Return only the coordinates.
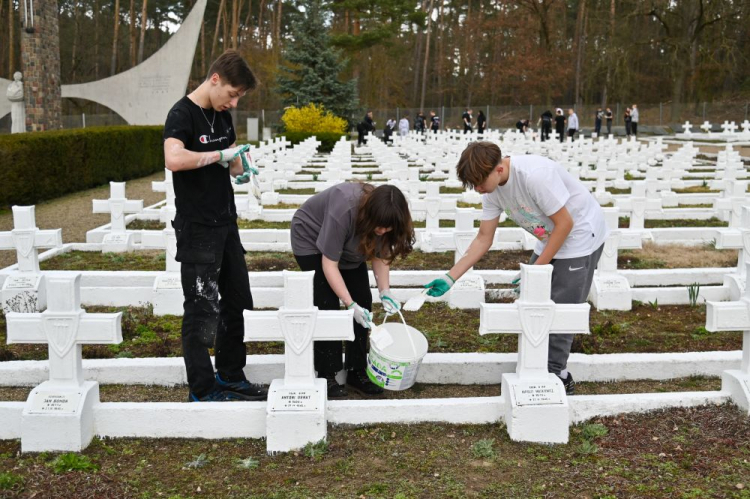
(360, 382)
(214, 396)
(569, 384)
(242, 390)
(335, 390)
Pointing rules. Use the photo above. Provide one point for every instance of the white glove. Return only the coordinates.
(226, 156)
(362, 316)
(390, 304)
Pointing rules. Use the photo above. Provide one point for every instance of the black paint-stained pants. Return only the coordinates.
(213, 264)
(328, 353)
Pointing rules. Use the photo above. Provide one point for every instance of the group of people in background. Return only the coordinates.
(564, 126)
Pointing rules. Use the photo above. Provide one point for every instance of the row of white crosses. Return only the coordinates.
(23, 290)
(118, 239)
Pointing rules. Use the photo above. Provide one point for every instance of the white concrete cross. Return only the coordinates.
(745, 127)
(729, 128)
(26, 238)
(118, 206)
(734, 316)
(298, 324)
(536, 408)
(687, 127)
(58, 415)
(296, 408)
(735, 196)
(706, 127)
(169, 210)
(611, 290)
(64, 326)
(533, 317)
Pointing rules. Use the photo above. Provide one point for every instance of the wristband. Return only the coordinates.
(449, 277)
(351, 305)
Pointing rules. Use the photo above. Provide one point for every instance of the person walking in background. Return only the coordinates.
(572, 124)
(560, 124)
(419, 122)
(481, 122)
(403, 127)
(434, 122)
(598, 121)
(390, 125)
(546, 122)
(608, 115)
(628, 122)
(634, 120)
(466, 117)
(366, 126)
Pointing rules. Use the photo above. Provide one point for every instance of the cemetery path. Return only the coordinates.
(74, 214)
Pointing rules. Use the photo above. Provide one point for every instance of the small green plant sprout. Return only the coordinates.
(700, 332)
(248, 464)
(483, 449)
(587, 447)
(693, 292)
(315, 450)
(71, 461)
(592, 431)
(654, 304)
(369, 177)
(704, 184)
(423, 178)
(10, 481)
(198, 462)
(315, 177)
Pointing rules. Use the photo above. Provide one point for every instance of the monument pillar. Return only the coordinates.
(40, 57)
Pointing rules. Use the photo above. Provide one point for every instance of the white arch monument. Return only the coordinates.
(144, 94)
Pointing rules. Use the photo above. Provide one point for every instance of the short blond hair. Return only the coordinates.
(477, 162)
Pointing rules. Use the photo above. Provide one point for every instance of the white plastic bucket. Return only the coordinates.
(396, 351)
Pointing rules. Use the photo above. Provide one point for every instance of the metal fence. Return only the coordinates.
(660, 114)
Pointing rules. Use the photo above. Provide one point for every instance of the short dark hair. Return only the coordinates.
(477, 162)
(234, 70)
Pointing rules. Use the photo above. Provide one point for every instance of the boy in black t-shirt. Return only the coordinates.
(200, 150)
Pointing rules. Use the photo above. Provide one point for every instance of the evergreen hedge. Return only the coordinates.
(45, 165)
(327, 139)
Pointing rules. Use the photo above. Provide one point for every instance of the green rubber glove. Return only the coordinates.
(390, 304)
(226, 156)
(440, 286)
(517, 283)
(362, 316)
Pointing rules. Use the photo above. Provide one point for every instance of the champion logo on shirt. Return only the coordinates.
(206, 139)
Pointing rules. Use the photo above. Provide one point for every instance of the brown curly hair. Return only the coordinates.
(384, 206)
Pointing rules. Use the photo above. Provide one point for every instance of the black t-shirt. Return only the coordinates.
(466, 116)
(608, 114)
(435, 122)
(481, 120)
(560, 122)
(202, 195)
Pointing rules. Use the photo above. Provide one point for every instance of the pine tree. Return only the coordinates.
(313, 66)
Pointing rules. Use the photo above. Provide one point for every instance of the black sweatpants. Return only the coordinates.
(213, 263)
(328, 353)
(546, 131)
(634, 127)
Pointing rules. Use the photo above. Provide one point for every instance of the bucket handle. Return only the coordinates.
(406, 329)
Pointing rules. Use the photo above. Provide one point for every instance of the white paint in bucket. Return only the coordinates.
(396, 351)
